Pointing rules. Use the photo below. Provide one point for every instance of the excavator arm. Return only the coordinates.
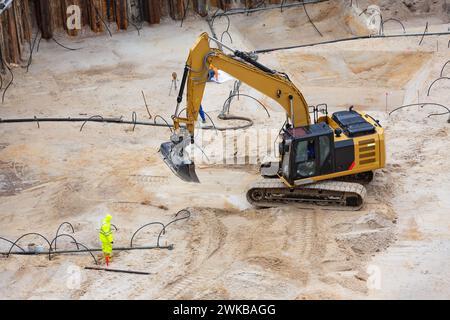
(241, 66)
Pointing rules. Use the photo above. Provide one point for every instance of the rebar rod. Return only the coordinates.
(117, 270)
(169, 247)
(353, 39)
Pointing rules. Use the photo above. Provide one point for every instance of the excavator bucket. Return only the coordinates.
(173, 157)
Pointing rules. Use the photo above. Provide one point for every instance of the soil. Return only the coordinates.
(226, 248)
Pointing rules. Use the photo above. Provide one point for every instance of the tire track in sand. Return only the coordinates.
(206, 267)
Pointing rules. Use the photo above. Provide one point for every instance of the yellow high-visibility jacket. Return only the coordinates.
(105, 234)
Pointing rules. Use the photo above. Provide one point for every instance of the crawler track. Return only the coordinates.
(333, 195)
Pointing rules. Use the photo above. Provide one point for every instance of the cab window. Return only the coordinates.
(305, 158)
(324, 142)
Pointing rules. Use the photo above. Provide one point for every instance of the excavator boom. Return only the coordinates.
(239, 65)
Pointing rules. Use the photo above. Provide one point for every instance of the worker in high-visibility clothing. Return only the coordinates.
(213, 72)
(106, 238)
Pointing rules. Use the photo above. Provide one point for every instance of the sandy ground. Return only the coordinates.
(397, 246)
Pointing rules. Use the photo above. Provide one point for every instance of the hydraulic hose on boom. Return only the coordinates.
(240, 65)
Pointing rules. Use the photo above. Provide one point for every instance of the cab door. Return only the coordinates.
(326, 153)
(305, 158)
(313, 156)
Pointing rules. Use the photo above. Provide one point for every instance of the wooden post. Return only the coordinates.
(18, 26)
(121, 14)
(14, 48)
(15, 33)
(57, 14)
(200, 7)
(218, 3)
(177, 9)
(95, 9)
(103, 8)
(152, 11)
(42, 8)
(26, 20)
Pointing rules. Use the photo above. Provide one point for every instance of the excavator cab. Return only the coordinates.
(348, 143)
(307, 152)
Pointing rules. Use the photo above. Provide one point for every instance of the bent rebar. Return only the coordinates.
(57, 231)
(431, 85)
(146, 225)
(4, 239)
(90, 118)
(89, 250)
(27, 234)
(392, 19)
(54, 240)
(422, 105)
(424, 33)
(248, 96)
(163, 231)
(310, 20)
(443, 67)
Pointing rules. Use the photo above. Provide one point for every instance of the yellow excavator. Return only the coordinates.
(322, 162)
